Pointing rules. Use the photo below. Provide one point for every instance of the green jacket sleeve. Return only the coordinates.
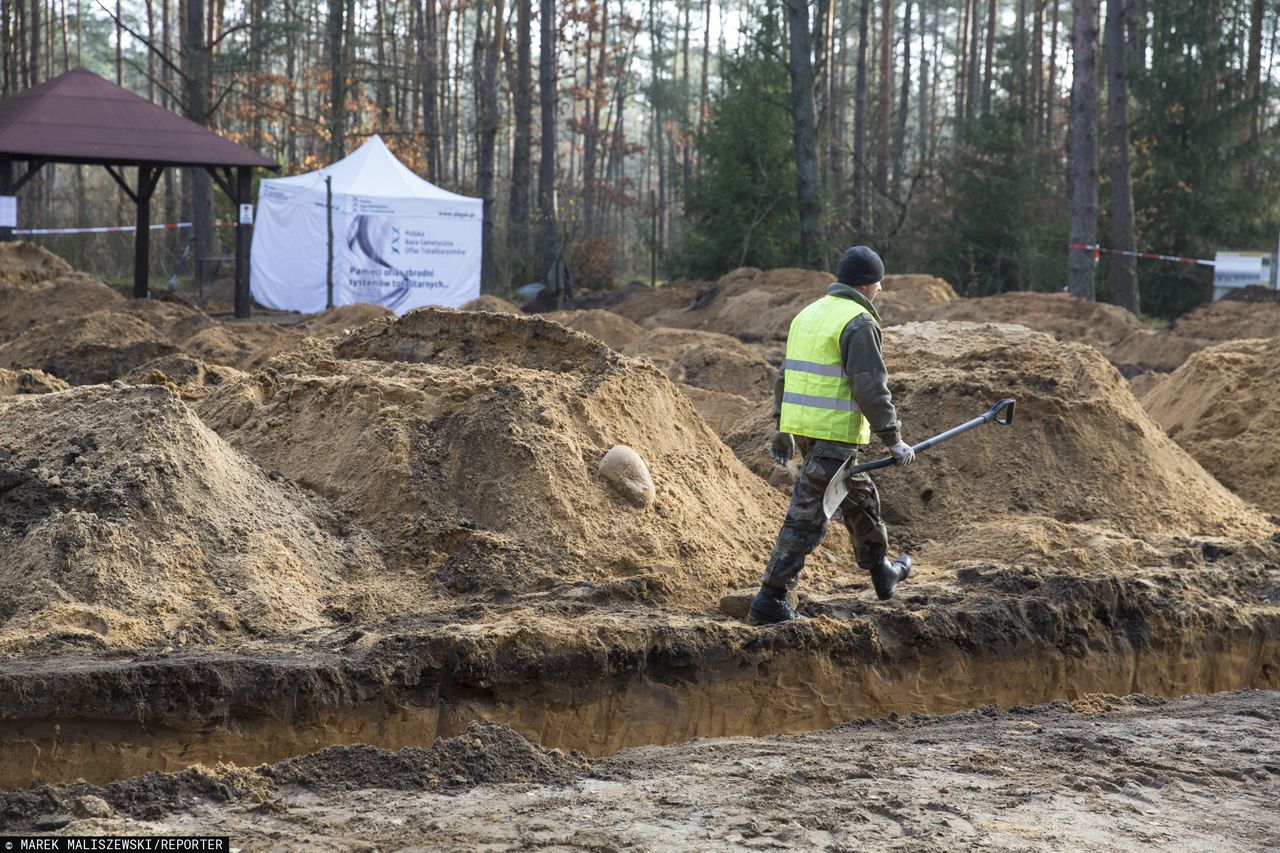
(869, 379)
(779, 385)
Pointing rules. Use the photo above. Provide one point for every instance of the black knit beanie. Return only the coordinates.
(859, 266)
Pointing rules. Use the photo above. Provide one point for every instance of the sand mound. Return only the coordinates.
(614, 329)
(126, 522)
(13, 382)
(707, 360)
(1110, 329)
(244, 346)
(343, 318)
(494, 304)
(1223, 406)
(907, 297)
(758, 305)
(1082, 450)
(24, 305)
(486, 753)
(388, 421)
(722, 411)
(1145, 350)
(188, 377)
(23, 263)
(1230, 320)
(749, 438)
(175, 320)
(751, 304)
(84, 350)
(1062, 316)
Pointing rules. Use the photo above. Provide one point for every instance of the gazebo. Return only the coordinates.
(79, 117)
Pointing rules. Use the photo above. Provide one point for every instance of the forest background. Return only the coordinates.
(975, 139)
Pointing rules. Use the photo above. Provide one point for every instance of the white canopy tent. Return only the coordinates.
(397, 240)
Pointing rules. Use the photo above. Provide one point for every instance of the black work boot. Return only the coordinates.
(770, 606)
(886, 576)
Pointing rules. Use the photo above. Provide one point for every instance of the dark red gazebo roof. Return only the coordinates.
(78, 117)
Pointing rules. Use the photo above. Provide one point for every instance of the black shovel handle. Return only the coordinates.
(1001, 413)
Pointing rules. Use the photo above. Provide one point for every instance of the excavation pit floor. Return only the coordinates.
(1100, 773)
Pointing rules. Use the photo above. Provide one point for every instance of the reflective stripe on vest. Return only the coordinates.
(817, 401)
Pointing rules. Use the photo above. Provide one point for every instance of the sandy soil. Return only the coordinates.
(758, 305)
(1223, 406)
(1102, 773)
(253, 542)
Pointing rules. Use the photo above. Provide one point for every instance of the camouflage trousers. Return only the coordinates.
(806, 524)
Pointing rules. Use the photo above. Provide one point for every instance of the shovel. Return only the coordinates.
(838, 488)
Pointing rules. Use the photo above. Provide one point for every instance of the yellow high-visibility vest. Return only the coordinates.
(817, 400)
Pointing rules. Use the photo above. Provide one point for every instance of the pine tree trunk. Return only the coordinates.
(658, 148)
(487, 48)
(988, 59)
(428, 69)
(904, 99)
(922, 139)
(1037, 71)
(547, 163)
(1124, 271)
(1253, 76)
(1082, 154)
(962, 58)
(975, 79)
(382, 91)
(800, 64)
(196, 53)
(883, 152)
(337, 79)
(522, 146)
(860, 122)
(703, 105)
(1051, 83)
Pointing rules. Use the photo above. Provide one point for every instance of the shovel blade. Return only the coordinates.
(837, 490)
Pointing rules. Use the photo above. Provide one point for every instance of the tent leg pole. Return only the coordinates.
(328, 216)
(244, 233)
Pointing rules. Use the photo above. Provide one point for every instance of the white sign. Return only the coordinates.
(8, 211)
(405, 262)
(1242, 269)
(246, 214)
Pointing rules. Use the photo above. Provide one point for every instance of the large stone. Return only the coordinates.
(626, 471)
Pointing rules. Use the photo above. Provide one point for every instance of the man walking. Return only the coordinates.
(830, 395)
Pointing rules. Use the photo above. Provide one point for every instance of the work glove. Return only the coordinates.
(902, 453)
(782, 448)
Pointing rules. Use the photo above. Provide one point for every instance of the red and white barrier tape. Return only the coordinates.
(106, 229)
(1098, 250)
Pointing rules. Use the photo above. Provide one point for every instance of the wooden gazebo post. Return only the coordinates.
(78, 117)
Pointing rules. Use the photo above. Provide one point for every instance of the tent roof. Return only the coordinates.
(78, 117)
(371, 171)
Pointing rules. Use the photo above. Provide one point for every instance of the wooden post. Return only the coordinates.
(6, 188)
(147, 176)
(244, 235)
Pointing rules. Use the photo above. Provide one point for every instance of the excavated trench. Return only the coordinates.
(602, 682)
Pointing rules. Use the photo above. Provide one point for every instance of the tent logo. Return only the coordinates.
(395, 240)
